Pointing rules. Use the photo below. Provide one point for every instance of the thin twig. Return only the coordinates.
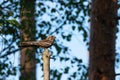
(8, 53)
(118, 74)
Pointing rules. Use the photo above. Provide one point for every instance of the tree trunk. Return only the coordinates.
(27, 60)
(102, 40)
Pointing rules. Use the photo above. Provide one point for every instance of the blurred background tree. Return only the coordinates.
(103, 30)
(27, 33)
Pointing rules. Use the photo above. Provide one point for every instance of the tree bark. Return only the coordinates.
(102, 39)
(27, 59)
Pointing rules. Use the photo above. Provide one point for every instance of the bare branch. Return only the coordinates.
(8, 47)
(8, 53)
(45, 43)
(46, 64)
(118, 74)
(118, 6)
(118, 18)
(57, 28)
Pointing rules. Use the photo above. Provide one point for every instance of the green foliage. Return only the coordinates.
(8, 35)
(66, 70)
(6, 68)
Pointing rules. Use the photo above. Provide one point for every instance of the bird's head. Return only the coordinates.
(51, 38)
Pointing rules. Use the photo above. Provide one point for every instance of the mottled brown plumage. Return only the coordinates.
(45, 43)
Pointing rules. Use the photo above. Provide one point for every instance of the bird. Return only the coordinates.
(45, 43)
